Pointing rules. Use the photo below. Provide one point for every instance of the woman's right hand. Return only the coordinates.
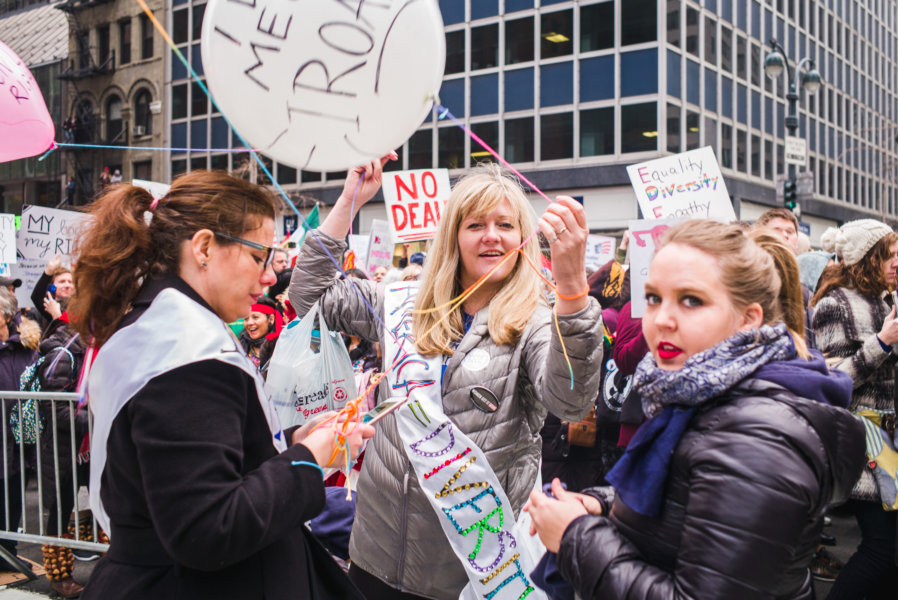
(322, 442)
(53, 265)
(889, 332)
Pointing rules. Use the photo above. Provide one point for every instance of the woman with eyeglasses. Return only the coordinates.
(202, 493)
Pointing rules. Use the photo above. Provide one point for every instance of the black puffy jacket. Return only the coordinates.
(747, 488)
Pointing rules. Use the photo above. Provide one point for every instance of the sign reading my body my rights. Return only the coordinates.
(682, 186)
(47, 232)
(414, 200)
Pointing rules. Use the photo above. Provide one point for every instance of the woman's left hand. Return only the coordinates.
(551, 516)
(564, 225)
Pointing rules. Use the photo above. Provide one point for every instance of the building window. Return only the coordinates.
(142, 170)
(489, 133)
(519, 41)
(180, 30)
(711, 41)
(84, 122)
(179, 101)
(420, 150)
(639, 127)
(519, 140)
(726, 146)
(639, 21)
(556, 136)
(83, 42)
(451, 144)
(673, 128)
(455, 52)
(692, 38)
(519, 89)
(557, 31)
(673, 22)
(693, 130)
(484, 47)
(741, 151)
(597, 27)
(597, 131)
(124, 41)
(114, 124)
(146, 37)
(143, 118)
(103, 47)
(726, 49)
(198, 102)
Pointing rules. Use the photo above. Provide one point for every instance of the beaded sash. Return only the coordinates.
(453, 472)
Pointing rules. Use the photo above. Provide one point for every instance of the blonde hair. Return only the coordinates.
(756, 267)
(475, 195)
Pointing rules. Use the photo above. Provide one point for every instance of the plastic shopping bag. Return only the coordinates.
(309, 373)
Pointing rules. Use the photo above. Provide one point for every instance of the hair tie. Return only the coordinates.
(154, 204)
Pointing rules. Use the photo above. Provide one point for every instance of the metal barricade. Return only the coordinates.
(26, 517)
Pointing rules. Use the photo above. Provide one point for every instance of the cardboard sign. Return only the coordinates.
(414, 200)
(47, 232)
(7, 238)
(156, 189)
(599, 250)
(380, 246)
(645, 235)
(682, 186)
(29, 271)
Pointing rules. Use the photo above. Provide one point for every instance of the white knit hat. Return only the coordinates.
(853, 240)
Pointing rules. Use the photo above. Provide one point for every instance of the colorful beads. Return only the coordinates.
(448, 462)
(489, 577)
(430, 436)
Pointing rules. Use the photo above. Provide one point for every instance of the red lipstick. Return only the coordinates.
(667, 351)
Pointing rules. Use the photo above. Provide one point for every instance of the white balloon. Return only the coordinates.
(324, 85)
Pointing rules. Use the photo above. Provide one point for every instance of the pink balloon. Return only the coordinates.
(26, 128)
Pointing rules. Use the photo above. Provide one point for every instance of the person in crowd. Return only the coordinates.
(10, 283)
(784, 223)
(804, 243)
(261, 329)
(379, 273)
(854, 318)
(500, 344)
(70, 191)
(722, 491)
(811, 266)
(279, 265)
(105, 178)
(62, 352)
(116, 177)
(202, 493)
(53, 290)
(18, 349)
(412, 272)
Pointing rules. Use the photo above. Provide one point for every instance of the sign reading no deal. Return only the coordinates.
(414, 201)
(683, 186)
(796, 151)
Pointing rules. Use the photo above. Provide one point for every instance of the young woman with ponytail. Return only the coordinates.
(202, 494)
(722, 492)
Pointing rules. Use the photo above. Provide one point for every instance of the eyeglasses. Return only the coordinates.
(269, 251)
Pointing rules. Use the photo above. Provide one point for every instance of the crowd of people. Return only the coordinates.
(692, 451)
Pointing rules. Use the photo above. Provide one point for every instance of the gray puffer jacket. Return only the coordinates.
(396, 535)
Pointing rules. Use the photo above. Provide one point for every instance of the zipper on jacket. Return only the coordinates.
(403, 526)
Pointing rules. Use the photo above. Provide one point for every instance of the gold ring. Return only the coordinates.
(560, 231)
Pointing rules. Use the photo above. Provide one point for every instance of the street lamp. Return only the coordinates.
(806, 76)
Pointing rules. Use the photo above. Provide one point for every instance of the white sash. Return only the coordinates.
(453, 472)
(173, 332)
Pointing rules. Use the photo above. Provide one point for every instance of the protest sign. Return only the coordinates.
(7, 238)
(157, 190)
(29, 271)
(682, 186)
(359, 245)
(599, 250)
(380, 246)
(414, 200)
(47, 232)
(645, 235)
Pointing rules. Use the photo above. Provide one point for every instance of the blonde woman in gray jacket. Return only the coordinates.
(498, 367)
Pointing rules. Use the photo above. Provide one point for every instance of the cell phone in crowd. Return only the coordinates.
(52, 289)
(381, 410)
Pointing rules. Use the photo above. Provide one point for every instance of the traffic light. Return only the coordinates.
(790, 193)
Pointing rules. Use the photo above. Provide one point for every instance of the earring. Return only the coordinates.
(203, 264)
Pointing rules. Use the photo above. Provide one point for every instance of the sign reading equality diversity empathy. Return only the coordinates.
(683, 186)
(414, 201)
(645, 235)
(599, 250)
(48, 232)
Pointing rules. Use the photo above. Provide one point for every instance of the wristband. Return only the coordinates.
(578, 296)
(885, 347)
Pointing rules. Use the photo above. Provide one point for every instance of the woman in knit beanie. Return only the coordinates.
(856, 330)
